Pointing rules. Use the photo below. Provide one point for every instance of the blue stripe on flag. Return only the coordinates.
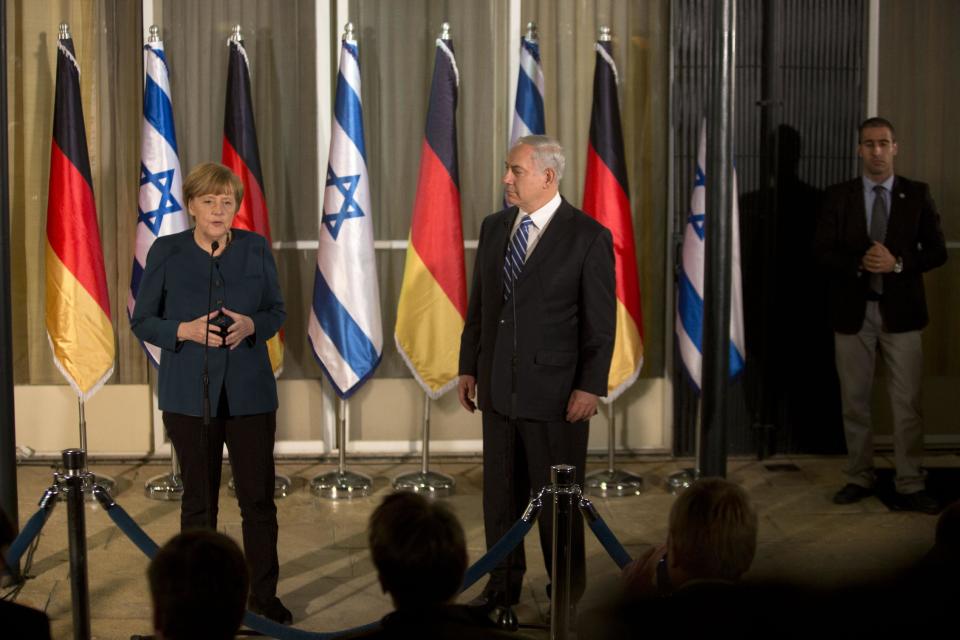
(349, 114)
(159, 112)
(529, 104)
(160, 54)
(736, 360)
(533, 48)
(353, 344)
(691, 311)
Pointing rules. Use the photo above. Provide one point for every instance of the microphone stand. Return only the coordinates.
(205, 426)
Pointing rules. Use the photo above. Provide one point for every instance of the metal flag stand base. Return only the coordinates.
(166, 486)
(612, 482)
(429, 483)
(341, 484)
(106, 482)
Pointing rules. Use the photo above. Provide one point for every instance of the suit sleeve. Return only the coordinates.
(598, 315)
(930, 250)
(147, 322)
(470, 338)
(271, 314)
(833, 253)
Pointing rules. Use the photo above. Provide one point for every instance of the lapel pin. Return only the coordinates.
(902, 195)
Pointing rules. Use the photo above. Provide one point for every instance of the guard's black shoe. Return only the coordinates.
(272, 609)
(920, 501)
(851, 493)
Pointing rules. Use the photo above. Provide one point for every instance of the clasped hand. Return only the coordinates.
(878, 259)
(196, 330)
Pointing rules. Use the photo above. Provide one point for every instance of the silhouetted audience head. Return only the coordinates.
(419, 549)
(198, 585)
(712, 532)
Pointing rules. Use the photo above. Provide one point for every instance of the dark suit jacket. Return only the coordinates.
(562, 317)
(913, 234)
(174, 289)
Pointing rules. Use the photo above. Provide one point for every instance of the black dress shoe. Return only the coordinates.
(920, 501)
(272, 609)
(851, 493)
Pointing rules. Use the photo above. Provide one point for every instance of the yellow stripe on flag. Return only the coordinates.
(627, 354)
(428, 328)
(80, 333)
(275, 351)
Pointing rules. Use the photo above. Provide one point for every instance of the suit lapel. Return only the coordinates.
(499, 242)
(898, 211)
(549, 239)
(857, 207)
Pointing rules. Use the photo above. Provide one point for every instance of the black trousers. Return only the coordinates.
(517, 456)
(249, 441)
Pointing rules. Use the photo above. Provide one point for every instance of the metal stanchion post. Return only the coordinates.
(612, 482)
(342, 483)
(166, 486)
(425, 481)
(78, 482)
(563, 477)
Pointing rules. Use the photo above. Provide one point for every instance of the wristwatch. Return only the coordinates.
(898, 265)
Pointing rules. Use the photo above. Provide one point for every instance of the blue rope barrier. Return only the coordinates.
(609, 542)
(497, 553)
(30, 531)
(132, 530)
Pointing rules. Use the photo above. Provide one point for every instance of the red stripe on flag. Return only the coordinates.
(72, 229)
(604, 199)
(252, 214)
(436, 229)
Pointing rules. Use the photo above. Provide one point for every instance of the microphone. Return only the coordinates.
(206, 340)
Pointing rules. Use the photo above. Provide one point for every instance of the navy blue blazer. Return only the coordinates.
(174, 289)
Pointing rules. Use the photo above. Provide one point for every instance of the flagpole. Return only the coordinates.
(431, 483)
(342, 483)
(106, 482)
(612, 482)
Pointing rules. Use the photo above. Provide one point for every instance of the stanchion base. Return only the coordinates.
(682, 480)
(613, 483)
(282, 486)
(167, 486)
(341, 486)
(90, 479)
(504, 617)
(430, 483)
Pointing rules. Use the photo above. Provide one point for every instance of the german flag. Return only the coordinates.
(606, 198)
(242, 154)
(77, 300)
(433, 297)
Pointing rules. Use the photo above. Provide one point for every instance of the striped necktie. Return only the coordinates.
(516, 256)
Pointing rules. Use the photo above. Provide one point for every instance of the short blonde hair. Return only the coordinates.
(212, 177)
(713, 530)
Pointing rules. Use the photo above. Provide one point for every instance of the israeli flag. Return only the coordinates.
(689, 322)
(160, 210)
(528, 112)
(345, 329)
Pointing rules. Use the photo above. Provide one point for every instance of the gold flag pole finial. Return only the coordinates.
(236, 35)
(605, 34)
(348, 32)
(154, 34)
(64, 31)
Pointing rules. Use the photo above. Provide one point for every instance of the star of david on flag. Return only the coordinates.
(346, 186)
(689, 320)
(159, 208)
